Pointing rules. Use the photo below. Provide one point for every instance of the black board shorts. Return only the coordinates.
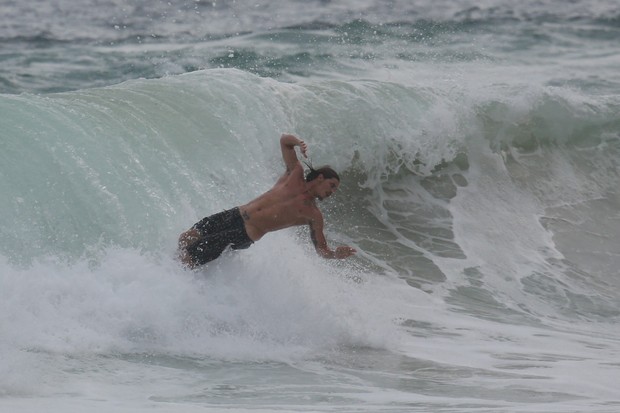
(218, 232)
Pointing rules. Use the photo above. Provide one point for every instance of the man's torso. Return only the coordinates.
(283, 206)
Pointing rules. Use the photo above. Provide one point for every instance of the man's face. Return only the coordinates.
(327, 187)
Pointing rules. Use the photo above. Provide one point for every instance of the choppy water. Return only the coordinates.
(479, 150)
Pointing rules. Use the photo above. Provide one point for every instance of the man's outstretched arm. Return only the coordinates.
(287, 145)
(320, 243)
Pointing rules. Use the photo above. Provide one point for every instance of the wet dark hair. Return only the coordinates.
(326, 171)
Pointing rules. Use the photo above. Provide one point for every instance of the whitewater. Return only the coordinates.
(478, 145)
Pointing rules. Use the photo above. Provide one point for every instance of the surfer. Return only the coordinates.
(290, 202)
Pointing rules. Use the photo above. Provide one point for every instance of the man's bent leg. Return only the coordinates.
(206, 249)
(209, 237)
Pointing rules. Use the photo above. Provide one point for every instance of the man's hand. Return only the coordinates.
(290, 141)
(344, 252)
(303, 148)
(287, 145)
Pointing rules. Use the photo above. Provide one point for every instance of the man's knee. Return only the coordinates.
(188, 237)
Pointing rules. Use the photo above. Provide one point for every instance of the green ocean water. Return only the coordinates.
(478, 147)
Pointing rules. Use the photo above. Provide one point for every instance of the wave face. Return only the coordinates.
(128, 165)
(524, 174)
(479, 151)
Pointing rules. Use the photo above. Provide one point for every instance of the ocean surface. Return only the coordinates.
(478, 144)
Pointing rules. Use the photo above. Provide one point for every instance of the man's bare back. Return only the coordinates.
(290, 202)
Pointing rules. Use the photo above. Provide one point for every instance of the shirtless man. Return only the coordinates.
(291, 202)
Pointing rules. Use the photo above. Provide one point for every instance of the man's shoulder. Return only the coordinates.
(313, 212)
(298, 169)
(295, 178)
